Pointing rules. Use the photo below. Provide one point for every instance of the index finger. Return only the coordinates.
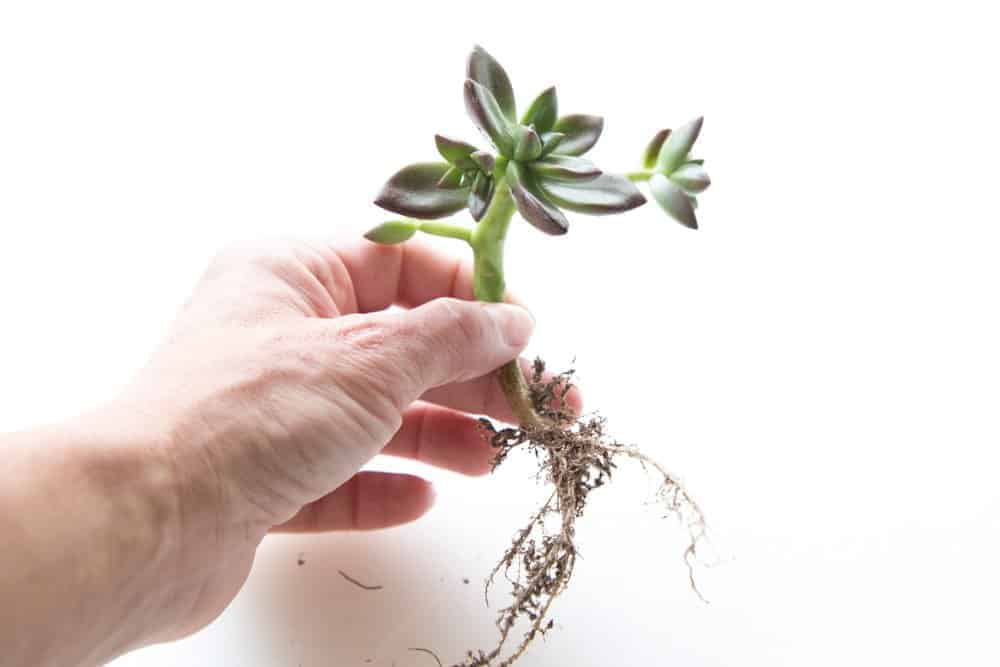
(408, 274)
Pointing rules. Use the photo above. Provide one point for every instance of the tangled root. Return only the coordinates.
(575, 457)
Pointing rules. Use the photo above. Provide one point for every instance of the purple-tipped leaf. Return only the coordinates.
(604, 195)
(678, 145)
(486, 71)
(673, 200)
(480, 196)
(455, 151)
(565, 168)
(484, 160)
(486, 114)
(582, 132)
(543, 111)
(413, 191)
(653, 149)
(532, 203)
(691, 177)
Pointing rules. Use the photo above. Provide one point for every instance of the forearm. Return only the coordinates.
(84, 522)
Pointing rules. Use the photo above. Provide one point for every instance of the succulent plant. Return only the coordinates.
(675, 179)
(534, 166)
(538, 157)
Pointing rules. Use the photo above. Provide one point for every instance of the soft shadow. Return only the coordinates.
(303, 611)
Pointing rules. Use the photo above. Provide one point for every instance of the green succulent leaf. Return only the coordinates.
(394, 231)
(697, 161)
(551, 141)
(480, 196)
(532, 204)
(486, 71)
(527, 144)
(455, 151)
(653, 149)
(673, 200)
(484, 160)
(677, 146)
(691, 177)
(413, 191)
(486, 114)
(606, 194)
(451, 179)
(582, 132)
(565, 168)
(543, 111)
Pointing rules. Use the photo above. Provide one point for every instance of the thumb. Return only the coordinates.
(440, 342)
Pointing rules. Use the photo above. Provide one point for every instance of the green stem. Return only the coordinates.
(488, 284)
(639, 176)
(446, 230)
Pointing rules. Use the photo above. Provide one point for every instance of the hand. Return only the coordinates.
(284, 374)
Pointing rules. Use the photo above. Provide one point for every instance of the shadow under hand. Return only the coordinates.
(409, 591)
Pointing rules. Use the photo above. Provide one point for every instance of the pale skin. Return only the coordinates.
(282, 376)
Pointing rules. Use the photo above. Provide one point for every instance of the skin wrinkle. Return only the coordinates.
(281, 407)
(246, 371)
(216, 446)
(382, 405)
(337, 280)
(282, 442)
(363, 333)
(366, 342)
(295, 272)
(320, 278)
(470, 328)
(189, 600)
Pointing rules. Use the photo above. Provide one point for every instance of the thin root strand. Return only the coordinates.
(575, 457)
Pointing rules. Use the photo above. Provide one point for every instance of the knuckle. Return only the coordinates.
(365, 333)
(367, 354)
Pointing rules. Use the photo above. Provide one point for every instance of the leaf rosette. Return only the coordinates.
(537, 156)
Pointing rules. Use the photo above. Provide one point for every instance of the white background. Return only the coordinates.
(819, 363)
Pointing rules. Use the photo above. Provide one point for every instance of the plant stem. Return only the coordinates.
(639, 176)
(446, 230)
(488, 284)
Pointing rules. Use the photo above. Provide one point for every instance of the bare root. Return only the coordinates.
(575, 457)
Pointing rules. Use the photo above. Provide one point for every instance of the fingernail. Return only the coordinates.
(516, 323)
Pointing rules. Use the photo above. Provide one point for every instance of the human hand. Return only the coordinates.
(284, 375)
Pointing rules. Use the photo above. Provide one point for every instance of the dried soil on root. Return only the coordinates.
(575, 456)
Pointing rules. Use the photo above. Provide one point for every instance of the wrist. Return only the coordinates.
(93, 524)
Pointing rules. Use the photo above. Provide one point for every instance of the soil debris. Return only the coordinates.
(428, 652)
(575, 457)
(357, 583)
